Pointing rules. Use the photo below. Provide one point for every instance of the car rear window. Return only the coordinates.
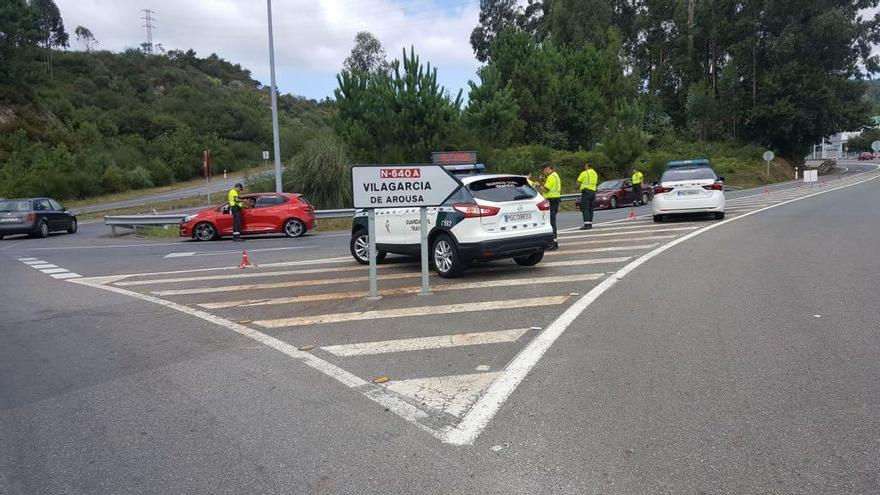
(678, 174)
(609, 185)
(501, 189)
(15, 206)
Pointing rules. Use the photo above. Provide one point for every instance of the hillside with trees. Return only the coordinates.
(81, 123)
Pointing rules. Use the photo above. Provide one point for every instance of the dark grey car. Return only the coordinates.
(37, 217)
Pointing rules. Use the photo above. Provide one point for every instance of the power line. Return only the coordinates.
(148, 24)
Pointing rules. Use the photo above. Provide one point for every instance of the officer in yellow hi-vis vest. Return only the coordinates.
(587, 182)
(235, 206)
(552, 191)
(637, 187)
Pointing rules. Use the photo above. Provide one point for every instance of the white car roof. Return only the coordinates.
(473, 178)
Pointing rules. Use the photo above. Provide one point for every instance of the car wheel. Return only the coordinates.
(612, 203)
(658, 218)
(645, 198)
(444, 254)
(530, 260)
(204, 231)
(72, 228)
(42, 230)
(719, 215)
(360, 248)
(294, 228)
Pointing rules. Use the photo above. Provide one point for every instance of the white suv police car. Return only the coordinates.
(489, 217)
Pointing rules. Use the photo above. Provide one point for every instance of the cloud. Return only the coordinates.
(312, 37)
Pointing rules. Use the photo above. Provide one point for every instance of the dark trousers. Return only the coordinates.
(588, 203)
(236, 220)
(554, 209)
(637, 193)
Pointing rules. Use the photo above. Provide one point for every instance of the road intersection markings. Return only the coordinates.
(579, 242)
(506, 304)
(49, 269)
(215, 253)
(457, 407)
(646, 231)
(601, 250)
(281, 285)
(537, 281)
(231, 276)
(423, 343)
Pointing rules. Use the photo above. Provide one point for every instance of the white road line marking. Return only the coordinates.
(403, 290)
(321, 261)
(44, 265)
(281, 285)
(230, 276)
(577, 241)
(27, 259)
(376, 393)
(35, 262)
(412, 311)
(450, 394)
(233, 251)
(626, 230)
(422, 343)
(515, 372)
(50, 271)
(117, 246)
(64, 276)
(600, 250)
(589, 261)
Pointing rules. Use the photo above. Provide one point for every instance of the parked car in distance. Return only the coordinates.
(688, 190)
(613, 193)
(270, 213)
(37, 217)
(866, 155)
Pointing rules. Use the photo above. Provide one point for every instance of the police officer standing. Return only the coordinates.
(552, 191)
(587, 181)
(637, 187)
(235, 206)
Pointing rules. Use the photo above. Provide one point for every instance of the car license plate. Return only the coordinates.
(517, 217)
(9, 219)
(687, 192)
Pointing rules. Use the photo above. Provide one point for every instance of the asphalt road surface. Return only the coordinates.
(691, 356)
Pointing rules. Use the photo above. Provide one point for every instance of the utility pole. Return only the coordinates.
(275, 139)
(148, 24)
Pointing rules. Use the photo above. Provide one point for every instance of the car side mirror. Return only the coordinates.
(654, 183)
(225, 210)
(721, 179)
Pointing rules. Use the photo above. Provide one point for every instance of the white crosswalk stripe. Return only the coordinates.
(601, 250)
(414, 311)
(416, 344)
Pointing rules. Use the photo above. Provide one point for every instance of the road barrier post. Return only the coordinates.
(371, 232)
(423, 230)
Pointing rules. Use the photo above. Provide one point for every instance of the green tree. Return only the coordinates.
(495, 16)
(367, 55)
(84, 35)
(17, 33)
(492, 112)
(624, 141)
(51, 28)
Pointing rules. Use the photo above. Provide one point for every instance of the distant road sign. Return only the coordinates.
(395, 186)
(811, 175)
(875, 146)
(265, 155)
(768, 155)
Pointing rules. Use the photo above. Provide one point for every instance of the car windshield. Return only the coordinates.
(702, 173)
(501, 189)
(15, 206)
(609, 185)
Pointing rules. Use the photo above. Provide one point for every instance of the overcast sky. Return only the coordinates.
(312, 37)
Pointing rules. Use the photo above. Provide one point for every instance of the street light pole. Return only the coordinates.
(277, 145)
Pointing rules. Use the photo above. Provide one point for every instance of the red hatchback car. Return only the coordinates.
(613, 193)
(270, 213)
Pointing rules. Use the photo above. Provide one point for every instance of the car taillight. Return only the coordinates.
(545, 205)
(476, 211)
(661, 189)
(714, 187)
(31, 217)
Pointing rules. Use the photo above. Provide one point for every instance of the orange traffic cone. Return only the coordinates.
(632, 214)
(245, 262)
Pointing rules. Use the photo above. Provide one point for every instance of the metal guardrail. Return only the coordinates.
(132, 221)
(340, 213)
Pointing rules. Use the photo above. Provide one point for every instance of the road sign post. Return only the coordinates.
(811, 176)
(768, 156)
(400, 186)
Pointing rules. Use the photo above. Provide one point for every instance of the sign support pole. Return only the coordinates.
(423, 231)
(371, 232)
